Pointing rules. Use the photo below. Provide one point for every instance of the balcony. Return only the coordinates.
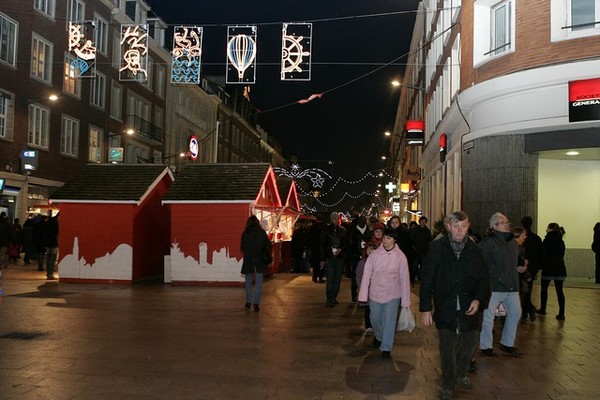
(143, 128)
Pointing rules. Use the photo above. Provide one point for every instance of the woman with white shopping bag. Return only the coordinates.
(385, 284)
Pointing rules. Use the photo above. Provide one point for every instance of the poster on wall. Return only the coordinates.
(584, 100)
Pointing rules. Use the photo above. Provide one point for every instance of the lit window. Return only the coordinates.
(71, 84)
(41, 58)
(95, 145)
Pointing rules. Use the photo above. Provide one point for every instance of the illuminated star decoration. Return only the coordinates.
(317, 176)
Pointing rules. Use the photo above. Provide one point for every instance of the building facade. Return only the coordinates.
(106, 115)
(496, 79)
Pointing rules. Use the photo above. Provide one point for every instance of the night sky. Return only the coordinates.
(350, 40)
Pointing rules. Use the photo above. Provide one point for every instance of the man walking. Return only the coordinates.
(455, 276)
(334, 243)
(501, 255)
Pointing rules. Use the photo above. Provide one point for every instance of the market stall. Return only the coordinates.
(113, 227)
(286, 220)
(209, 205)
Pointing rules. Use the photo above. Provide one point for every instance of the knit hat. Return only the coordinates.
(379, 225)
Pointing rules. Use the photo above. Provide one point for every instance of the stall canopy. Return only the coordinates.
(113, 227)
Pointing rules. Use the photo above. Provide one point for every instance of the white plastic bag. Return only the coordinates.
(406, 322)
(500, 311)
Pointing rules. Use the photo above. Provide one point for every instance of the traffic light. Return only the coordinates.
(443, 148)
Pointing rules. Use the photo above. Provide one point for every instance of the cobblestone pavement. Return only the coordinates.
(157, 341)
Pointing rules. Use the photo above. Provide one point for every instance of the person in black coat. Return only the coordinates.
(455, 276)
(255, 245)
(553, 268)
(596, 249)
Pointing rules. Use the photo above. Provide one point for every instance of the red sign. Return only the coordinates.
(584, 100)
(414, 132)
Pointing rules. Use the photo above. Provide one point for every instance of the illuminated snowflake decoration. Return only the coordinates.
(315, 175)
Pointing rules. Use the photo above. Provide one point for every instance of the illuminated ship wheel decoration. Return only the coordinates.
(292, 54)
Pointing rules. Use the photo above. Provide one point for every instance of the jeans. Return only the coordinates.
(384, 318)
(258, 282)
(512, 304)
(334, 267)
(51, 253)
(456, 350)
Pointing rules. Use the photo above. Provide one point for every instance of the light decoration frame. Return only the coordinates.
(134, 53)
(81, 46)
(296, 43)
(316, 175)
(187, 54)
(241, 54)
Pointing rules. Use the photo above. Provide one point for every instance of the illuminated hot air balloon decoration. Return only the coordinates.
(241, 52)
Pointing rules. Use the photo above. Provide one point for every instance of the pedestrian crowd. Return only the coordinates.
(466, 280)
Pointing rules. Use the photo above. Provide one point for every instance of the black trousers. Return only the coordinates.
(456, 350)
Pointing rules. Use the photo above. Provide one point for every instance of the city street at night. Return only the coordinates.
(158, 341)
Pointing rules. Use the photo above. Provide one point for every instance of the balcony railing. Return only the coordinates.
(144, 128)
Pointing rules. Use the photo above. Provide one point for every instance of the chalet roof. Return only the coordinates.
(284, 185)
(111, 183)
(218, 182)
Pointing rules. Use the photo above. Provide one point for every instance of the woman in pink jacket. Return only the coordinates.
(385, 283)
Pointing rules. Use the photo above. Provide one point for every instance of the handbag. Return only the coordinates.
(267, 256)
(406, 322)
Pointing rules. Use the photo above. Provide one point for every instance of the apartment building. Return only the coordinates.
(501, 86)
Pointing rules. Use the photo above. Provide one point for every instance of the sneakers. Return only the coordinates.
(369, 331)
(465, 383)
(488, 353)
(510, 350)
(445, 394)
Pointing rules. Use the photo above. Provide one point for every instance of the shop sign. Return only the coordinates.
(584, 100)
(414, 132)
(29, 160)
(411, 173)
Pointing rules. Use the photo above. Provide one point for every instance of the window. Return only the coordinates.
(116, 58)
(75, 12)
(95, 145)
(8, 40)
(98, 92)
(69, 138)
(148, 73)
(71, 84)
(500, 40)
(6, 115)
(572, 19)
(494, 29)
(41, 58)
(45, 7)
(116, 105)
(160, 81)
(136, 10)
(101, 34)
(39, 126)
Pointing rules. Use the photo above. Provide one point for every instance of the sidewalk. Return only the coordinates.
(156, 341)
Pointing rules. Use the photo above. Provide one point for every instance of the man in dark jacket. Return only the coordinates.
(502, 256)
(51, 245)
(358, 237)
(533, 253)
(334, 245)
(455, 276)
